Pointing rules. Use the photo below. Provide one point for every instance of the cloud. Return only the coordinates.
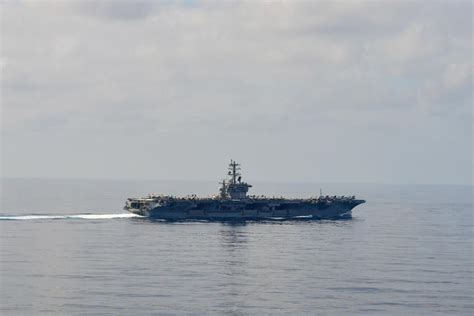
(299, 69)
(117, 10)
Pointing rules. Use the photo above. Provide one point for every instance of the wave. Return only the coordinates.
(72, 216)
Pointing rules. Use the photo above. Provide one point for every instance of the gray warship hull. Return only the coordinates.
(233, 203)
(247, 210)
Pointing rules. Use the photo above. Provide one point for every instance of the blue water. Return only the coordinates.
(68, 248)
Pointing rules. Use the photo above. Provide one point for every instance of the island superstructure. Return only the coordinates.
(233, 203)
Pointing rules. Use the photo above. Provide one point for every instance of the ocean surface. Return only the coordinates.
(67, 247)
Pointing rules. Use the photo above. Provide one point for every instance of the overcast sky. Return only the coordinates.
(349, 91)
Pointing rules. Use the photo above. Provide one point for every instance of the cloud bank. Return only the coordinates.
(320, 91)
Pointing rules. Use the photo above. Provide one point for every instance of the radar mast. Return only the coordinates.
(234, 172)
(236, 189)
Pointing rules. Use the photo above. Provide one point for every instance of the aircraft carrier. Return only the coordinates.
(233, 203)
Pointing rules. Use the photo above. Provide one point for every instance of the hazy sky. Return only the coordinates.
(376, 91)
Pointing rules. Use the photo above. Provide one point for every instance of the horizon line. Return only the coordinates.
(209, 180)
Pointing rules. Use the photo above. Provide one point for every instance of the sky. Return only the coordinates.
(306, 91)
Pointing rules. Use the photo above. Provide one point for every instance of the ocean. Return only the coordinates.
(67, 247)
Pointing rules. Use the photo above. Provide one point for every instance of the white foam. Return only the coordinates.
(104, 216)
(74, 216)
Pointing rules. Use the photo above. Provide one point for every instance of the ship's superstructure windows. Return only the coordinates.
(238, 191)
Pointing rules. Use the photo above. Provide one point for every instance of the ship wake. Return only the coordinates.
(71, 216)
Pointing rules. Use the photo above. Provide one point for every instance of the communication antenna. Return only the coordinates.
(234, 169)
